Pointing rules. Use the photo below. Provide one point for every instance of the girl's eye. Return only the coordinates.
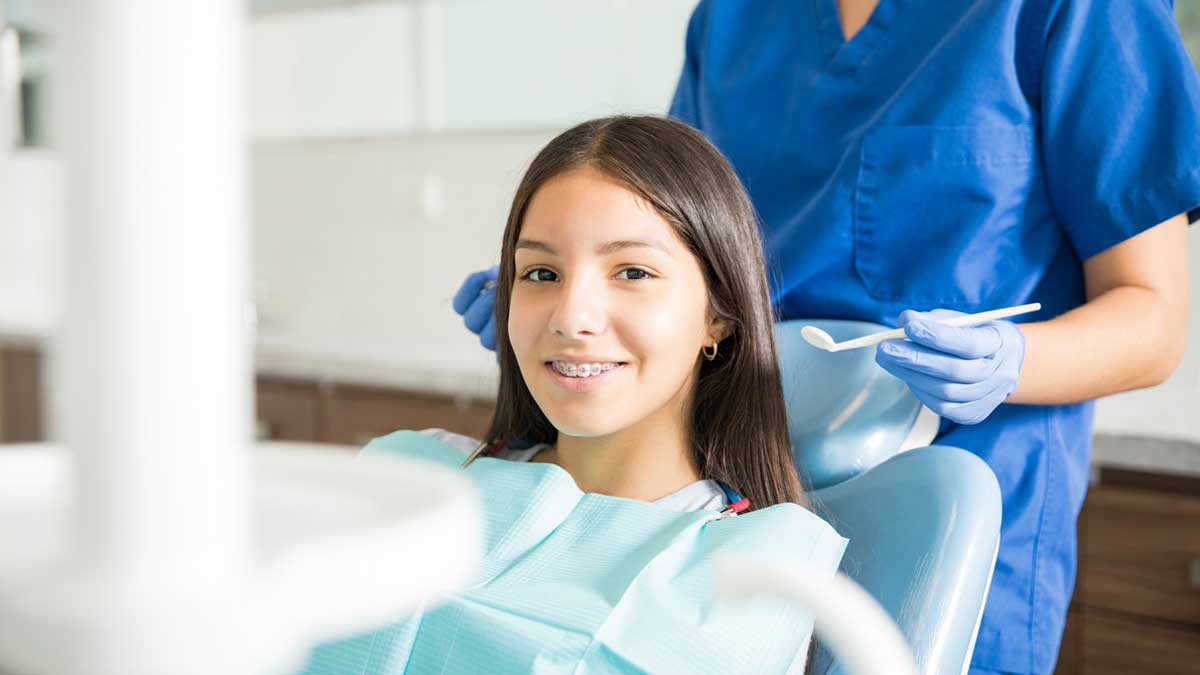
(535, 274)
(635, 274)
(538, 274)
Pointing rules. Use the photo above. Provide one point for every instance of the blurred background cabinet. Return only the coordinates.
(1136, 607)
(355, 415)
(291, 409)
(21, 418)
(345, 414)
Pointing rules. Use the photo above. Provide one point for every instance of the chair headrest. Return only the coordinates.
(845, 413)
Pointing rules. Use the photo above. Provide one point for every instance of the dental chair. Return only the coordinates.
(923, 520)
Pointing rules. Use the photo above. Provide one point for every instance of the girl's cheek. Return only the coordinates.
(520, 328)
(649, 328)
(668, 315)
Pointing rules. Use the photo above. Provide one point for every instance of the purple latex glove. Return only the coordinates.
(961, 374)
(475, 301)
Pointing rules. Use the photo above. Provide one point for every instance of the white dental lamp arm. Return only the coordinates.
(10, 87)
(856, 629)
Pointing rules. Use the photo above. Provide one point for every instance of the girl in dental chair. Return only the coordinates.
(639, 432)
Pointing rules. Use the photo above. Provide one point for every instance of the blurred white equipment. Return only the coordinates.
(136, 552)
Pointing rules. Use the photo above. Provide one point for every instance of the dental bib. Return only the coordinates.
(589, 583)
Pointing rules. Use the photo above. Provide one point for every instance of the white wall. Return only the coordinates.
(393, 68)
(29, 212)
(360, 245)
(334, 73)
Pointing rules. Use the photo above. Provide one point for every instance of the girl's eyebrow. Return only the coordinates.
(602, 249)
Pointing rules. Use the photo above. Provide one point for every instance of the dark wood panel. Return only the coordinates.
(1070, 651)
(1070, 654)
(1155, 482)
(356, 415)
(21, 418)
(1139, 547)
(1114, 645)
(288, 410)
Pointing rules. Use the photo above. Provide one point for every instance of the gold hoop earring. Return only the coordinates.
(713, 355)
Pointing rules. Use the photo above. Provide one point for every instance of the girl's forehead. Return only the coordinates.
(584, 207)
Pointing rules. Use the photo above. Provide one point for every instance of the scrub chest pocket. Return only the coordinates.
(938, 211)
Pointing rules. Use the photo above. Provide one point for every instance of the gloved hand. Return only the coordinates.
(476, 304)
(961, 374)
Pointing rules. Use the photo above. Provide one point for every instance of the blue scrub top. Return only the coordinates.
(967, 155)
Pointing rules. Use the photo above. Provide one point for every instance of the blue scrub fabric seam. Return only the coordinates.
(1037, 617)
(1031, 626)
(825, 28)
(1160, 200)
(1034, 55)
(1140, 210)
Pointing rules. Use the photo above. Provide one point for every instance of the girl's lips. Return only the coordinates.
(582, 384)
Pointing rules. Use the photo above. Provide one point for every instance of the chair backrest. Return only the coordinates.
(845, 413)
(923, 524)
(924, 528)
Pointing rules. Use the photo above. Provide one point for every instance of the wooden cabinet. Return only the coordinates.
(1136, 607)
(1139, 553)
(21, 419)
(1114, 645)
(1070, 654)
(285, 409)
(355, 415)
(288, 410)
(351, 415)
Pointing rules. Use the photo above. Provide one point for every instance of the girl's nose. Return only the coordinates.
(580, 309)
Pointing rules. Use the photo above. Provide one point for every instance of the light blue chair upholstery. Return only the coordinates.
(923, 523)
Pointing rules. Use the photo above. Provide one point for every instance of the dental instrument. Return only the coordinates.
(822, 340)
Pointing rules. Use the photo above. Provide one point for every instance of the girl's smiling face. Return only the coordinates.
(605, 285)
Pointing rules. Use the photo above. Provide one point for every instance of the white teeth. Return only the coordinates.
(582, 369)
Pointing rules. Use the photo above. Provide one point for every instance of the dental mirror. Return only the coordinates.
(822, 340)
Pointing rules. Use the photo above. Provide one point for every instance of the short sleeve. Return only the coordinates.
(1119, 120)
(685, 104)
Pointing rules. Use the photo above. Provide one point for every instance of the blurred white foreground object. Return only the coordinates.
(135, 553)
(333, 549)
(848, 620)
(822, 340)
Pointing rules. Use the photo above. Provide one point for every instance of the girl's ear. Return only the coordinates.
(718, 330)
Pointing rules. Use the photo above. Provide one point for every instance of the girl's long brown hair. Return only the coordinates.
(738, 422)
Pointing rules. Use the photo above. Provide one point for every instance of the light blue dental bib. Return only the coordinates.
(588, 583)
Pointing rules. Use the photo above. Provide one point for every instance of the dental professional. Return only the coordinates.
(915, 159)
